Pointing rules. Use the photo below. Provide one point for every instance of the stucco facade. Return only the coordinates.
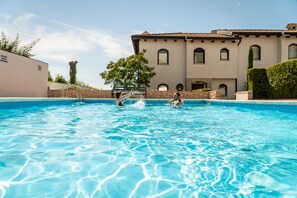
(227, 73)
(22, 77)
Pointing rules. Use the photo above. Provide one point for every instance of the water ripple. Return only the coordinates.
(100, 150)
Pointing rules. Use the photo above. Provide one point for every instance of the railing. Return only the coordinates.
(137, 91)
(75, 88)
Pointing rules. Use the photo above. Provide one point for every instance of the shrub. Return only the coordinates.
(49, 77)
(278, 81)
(202, 89)
(60, 79)
(283, 79)
(258, 82)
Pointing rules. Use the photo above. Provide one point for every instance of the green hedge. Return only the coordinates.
(258, 82)
(202, 89)
(283, 79)
(278, 81)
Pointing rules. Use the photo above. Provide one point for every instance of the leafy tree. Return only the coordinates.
(13, 46)
(49, 78)
(72, 72)
(130, 71)
(60, 79)
(251, 59)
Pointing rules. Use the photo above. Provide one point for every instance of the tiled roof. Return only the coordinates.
(254, 31)
(180, 35)
(249, 30)
(215, 34)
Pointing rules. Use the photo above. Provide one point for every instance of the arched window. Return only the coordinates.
(163, 57)
(223, 89)
(163, 87)
(224, 54)
(292, 51)
(199, 55)
(256, 52)
(199, 85)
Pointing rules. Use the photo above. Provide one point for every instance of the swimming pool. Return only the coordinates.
(68, 149)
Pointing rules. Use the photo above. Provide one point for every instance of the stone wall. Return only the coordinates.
(84, 93)
(216, 94)
(150, 94)
(183, 94)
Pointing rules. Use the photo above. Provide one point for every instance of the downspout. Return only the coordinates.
(186, 63)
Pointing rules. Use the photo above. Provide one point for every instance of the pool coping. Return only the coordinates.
(268, 102)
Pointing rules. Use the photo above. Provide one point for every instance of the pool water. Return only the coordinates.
(147, 150)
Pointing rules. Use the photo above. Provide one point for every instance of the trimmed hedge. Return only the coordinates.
(258, 82)
(202, 89)
(283, 79)
(278, 81)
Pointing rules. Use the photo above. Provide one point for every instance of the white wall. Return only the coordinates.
(22, 77)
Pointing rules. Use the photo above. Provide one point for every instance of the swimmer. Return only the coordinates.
(176, 101)
(121, 98)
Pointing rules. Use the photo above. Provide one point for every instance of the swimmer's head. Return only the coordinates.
(118, 94)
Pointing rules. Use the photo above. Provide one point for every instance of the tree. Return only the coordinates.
(131, 71)
(72, 72)
(251, 59)
(60, 79)
(13, 46)
(49, 78)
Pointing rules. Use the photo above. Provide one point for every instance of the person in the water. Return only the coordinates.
(120, 99)
(176, 101)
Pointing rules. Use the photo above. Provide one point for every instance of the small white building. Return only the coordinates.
(217, 60)
(22, 77)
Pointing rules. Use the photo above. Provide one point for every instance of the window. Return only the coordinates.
(292, 51)
(199, 55)
(179, 87)
(224, 54)
(256, 52)
(199, 85)
(163, 87)
(223, 89)
(163, 56)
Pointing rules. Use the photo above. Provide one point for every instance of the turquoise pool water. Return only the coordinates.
(67, 149)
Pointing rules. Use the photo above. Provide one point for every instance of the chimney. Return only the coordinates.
(292, 26)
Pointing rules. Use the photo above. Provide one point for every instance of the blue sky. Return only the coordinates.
(94, 32)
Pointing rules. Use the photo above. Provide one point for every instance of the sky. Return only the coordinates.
(95, 32)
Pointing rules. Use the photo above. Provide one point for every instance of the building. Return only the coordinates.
(22, 77)
(217, 60)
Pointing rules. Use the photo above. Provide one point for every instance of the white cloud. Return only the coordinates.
(61, 42)
(63, 46)
(112, 47)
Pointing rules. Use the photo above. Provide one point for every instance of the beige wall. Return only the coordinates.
(230, 83)
(213, 67)
(270, 55)
(173, 73)
(214, 72)
(20, 77)
(285, 42)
